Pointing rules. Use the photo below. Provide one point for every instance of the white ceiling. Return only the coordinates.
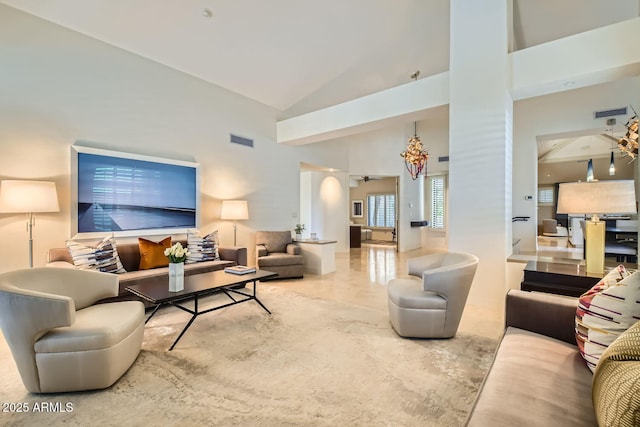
(302, 55)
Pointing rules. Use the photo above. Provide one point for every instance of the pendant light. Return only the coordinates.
(612, 166)
(590, 171)
(415, 156)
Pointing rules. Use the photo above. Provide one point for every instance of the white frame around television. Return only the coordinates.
(75, 149)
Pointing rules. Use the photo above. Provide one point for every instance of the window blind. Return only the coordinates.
(437, 202)
(381, 210)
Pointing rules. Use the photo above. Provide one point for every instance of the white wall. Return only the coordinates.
(59, 88)
(378, 153)
(552, 114)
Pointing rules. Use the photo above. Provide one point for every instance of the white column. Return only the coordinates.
(480, 145)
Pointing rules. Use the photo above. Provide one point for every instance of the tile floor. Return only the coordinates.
(361, 276)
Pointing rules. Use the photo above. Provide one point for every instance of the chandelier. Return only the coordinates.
(628, 144)
(415, 156)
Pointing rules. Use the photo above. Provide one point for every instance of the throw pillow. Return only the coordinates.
(152, 253)
(202, 248)
(606, 311)
(616, 382)
(101, 257)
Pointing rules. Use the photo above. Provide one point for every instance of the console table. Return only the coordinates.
(562, 279)
(319, 255)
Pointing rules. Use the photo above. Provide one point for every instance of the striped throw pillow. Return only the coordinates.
(606, 311)
(101, 257)
(202, 248)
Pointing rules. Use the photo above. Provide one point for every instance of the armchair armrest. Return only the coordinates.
(293, 249)
(546, 314)
(237, 254)
(261, 250)
(84, 287)
(26, 315)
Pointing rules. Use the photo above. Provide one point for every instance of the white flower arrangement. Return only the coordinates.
(177, 253)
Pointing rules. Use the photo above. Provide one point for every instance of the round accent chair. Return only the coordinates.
(430, 304)
(59, 339)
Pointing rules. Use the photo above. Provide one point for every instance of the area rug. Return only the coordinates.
(312, 362)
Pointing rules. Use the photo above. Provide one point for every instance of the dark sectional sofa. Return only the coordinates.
(129, 254)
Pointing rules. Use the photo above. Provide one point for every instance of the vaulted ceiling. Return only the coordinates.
(301, 55)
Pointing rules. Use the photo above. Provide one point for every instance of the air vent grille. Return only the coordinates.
(610, 113)
(443, 159)
(235, 139)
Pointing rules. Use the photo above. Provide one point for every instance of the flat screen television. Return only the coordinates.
(131, 195)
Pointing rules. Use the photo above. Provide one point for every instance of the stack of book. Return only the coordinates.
(240, 269)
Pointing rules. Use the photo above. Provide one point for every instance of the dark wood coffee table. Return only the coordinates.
(156, 291)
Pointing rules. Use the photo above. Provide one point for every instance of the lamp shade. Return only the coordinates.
(28, 196)
(599, 197)
(234, 209)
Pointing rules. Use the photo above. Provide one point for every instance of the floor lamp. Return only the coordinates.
(28, 197)
(234, 210)
(597, 197)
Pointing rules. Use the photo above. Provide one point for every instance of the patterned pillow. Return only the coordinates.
(152, 253)
(616, 382)
(606, 311)
(202, 248)
(102, 257)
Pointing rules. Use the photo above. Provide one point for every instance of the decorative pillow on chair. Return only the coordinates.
(101, 257)
(606, 311)
(152, 253)
(202, 248)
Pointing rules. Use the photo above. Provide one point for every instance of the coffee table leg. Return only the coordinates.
(193, 317)
(256, 298)
(152, 313)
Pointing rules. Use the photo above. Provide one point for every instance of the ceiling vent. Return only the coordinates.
(610, 113)
(235, 139)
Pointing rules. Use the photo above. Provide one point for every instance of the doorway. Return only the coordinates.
(374, 210)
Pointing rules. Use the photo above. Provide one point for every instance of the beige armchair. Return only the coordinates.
(276, 252)
(431, 304)
(60, 341)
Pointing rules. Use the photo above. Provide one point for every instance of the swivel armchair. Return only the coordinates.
(430, 304)
(60, 342)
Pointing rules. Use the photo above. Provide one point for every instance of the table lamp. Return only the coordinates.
(597, 197)
(234, 210)
(28, 197)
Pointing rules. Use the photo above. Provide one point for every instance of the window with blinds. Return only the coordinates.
(381, 210)
(438, 188)
(545, 196)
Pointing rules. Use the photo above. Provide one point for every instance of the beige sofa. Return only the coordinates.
(538, 377)
(129, 254)
(60, 340)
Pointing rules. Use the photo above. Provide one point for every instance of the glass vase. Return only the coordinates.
(176, 276)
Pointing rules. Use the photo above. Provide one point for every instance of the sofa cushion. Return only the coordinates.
(202, 248)
(280, 259)
(606, 311)
(534, 381)
(616, 382)
(101, 257)
(89, 331)
(273, 241)
(408, 293)
(152, 253)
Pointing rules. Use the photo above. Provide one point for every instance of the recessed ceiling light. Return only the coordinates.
(207, 13)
